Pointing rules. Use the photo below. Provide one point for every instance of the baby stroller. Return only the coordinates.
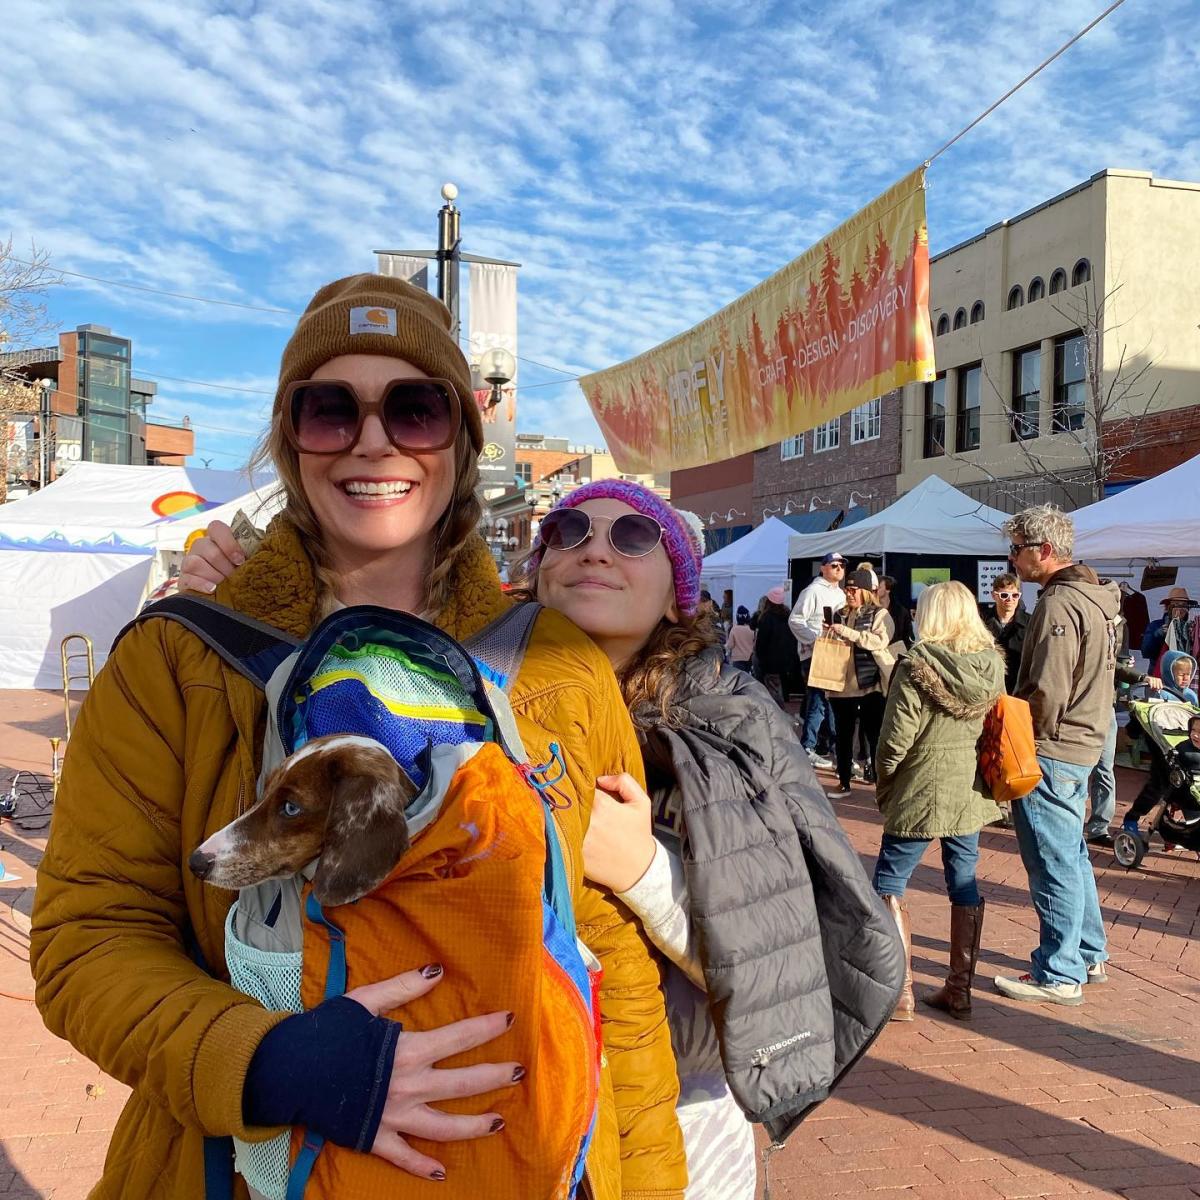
(1174, 791)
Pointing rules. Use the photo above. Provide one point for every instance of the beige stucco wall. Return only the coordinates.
(1140, 232)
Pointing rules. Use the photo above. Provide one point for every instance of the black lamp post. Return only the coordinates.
(449, 254)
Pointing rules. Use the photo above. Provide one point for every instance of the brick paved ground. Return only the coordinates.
(1100, 1100)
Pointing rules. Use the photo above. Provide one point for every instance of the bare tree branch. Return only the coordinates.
(24, 321)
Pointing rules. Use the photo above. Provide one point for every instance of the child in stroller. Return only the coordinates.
(1171, 796)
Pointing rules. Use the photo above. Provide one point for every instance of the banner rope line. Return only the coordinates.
(987, 112)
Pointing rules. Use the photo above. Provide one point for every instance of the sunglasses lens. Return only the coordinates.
(564, 529)
(635, 535)
(419, 415)
(324, 417)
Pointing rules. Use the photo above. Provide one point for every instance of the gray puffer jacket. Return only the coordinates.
(802, 965)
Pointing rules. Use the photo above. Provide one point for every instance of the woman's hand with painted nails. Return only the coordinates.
(211, 560)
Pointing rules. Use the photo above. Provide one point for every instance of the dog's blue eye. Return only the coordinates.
(290, 809)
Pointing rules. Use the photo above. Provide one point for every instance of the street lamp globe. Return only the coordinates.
(449, 193)
(497, 366)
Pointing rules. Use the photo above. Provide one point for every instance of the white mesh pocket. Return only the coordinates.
(273, 979)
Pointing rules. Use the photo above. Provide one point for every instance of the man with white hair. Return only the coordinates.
(1066, 675)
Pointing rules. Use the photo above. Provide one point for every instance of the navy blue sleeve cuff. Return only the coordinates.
(327, 1069)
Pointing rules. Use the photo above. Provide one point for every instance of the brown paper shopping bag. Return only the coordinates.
(830, 664)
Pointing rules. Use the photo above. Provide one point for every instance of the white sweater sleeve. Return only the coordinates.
(807, 619)
(661, 902)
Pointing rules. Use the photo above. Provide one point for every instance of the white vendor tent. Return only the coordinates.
(933, 519)
(1158, 519)
(75, 557)
(751, 566)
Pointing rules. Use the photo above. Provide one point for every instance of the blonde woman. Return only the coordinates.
(939, 695)
(869, 629)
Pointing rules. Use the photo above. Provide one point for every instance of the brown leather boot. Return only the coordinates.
(906, 1006)
(954, 996)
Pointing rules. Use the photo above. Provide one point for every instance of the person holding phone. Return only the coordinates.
(813, 612)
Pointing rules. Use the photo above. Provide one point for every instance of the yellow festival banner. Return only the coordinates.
(845, 322)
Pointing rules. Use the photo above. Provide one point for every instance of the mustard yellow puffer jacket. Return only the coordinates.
(165, 752)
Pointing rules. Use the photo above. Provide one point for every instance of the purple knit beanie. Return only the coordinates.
(681, 539)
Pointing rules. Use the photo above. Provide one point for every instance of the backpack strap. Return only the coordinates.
(499, 647)
(252, 648)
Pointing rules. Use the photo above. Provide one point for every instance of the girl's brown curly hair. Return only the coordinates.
(451, 533)
(650, 679)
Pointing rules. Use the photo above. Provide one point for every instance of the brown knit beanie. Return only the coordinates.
(378, 314)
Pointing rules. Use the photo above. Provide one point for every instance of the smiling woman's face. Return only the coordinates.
(617, 601)
(374, 499)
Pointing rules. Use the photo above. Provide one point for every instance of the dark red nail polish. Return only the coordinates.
(518, 1074)
(439, 1175)
(508, 1020)
(497, 1125)
(431, 970)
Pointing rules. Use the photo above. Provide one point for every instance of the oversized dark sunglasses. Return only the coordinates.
(631, 534)
(326, 416)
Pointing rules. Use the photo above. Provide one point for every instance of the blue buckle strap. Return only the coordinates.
(302, 1168)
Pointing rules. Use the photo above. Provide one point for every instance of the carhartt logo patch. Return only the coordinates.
(1058, 631)
(373, 320)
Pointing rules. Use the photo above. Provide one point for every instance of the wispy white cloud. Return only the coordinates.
(645, 162)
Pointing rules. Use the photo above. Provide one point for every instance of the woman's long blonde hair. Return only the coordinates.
(450, 535)
(947, 615)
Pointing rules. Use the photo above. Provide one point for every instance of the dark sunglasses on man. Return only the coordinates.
(631, 535)
(326, 416)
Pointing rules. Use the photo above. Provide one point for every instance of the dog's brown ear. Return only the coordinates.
(365, 833)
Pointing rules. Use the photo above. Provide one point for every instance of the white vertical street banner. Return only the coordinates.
(415, 270)
(492, 313)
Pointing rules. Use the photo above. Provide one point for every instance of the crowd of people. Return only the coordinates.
(744, 957)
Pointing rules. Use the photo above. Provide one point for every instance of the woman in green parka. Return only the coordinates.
(927, 762)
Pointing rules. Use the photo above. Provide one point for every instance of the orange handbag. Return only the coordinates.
(1008, 751)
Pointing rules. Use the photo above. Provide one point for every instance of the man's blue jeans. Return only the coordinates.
(1103, 785)
(1062, 885)
(816, 709)
(898, 858)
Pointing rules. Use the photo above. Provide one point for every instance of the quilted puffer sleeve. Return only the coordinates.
(637, 1039)
(107, 948)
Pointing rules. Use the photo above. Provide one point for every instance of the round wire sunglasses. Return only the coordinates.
(631, 535)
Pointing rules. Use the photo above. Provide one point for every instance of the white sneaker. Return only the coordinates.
(1028, 989)
(857, 771)
(1097, 973)
(819, 761)
(839, 794)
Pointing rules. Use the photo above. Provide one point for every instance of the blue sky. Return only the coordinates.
(646, 163)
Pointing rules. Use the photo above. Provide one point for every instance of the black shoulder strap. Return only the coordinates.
(251, 647)
(501, 645)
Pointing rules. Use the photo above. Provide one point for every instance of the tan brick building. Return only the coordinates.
(1039, 313)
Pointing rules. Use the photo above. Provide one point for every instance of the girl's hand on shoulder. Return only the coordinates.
(619, 846)
(211, 560)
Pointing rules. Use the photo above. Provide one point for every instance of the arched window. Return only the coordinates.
(960, 319)
(976, 312)
(1037, 289)
(1081, 272)
(1016, 297)
(943, 325)
(1058, 282)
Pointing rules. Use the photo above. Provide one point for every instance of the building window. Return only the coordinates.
(1070, 383)
(1081, 272)
(1037, 289)
(970, 380)
(1026, 393)
(1058, 282)
(935, 417)
(943, 325)
(976, 312)
(792, 447)
(865, 421)
(960, 319)
(1016, 297)
(525, 471)
(827, 436)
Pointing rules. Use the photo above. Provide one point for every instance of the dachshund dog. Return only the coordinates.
(340, 799)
